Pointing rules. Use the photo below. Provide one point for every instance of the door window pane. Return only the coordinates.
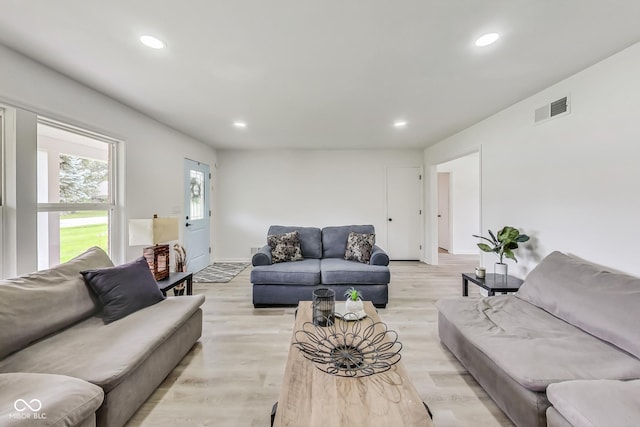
(197, 195)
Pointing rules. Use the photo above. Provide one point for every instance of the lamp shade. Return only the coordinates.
(165, 229)
(145, 232)
(140, 232)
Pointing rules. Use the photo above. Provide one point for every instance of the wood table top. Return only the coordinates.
(311, 397)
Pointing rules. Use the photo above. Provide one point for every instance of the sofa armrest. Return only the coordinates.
(379, 256)
(262, 257)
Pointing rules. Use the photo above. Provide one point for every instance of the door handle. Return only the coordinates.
(390, 219)
(439, 216)
(187, 225)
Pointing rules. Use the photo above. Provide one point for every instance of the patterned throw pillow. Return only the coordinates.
(285, 247)
(359, 247)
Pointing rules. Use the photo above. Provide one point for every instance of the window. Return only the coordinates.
(2, 179)
(196, 183)
(76, 191)
(1, 164)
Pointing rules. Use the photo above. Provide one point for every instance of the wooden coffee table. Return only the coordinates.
(311, 397)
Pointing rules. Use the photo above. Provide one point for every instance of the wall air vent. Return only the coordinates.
(556, 108)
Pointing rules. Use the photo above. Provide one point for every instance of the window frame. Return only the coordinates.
(110, 206)
(2, 177)
(2, 188)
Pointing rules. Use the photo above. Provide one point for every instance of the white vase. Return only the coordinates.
(352, 306)
(500, 270)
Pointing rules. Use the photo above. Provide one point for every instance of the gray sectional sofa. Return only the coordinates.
(57, 353)
(570, 330)
(323, 266)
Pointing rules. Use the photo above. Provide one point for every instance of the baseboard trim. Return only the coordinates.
(232, 260)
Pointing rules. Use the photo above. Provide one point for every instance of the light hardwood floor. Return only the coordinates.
(233, 375)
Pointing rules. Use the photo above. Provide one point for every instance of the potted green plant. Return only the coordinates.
(503, 244)
(353, 303)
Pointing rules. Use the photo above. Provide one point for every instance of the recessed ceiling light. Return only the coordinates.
(487, 39)
(152, 42)
(399, 123)
(240, 124)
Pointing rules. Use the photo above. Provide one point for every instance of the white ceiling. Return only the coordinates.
(319, 74)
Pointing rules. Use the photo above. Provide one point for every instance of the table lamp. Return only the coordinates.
(153, 232)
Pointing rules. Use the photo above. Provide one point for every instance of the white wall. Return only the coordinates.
(307, 188)
(571, 183)
(464, 202)
(152, 162)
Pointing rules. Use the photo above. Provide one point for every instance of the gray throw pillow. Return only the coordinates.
(359, 247)
(123, 289)
(285, 247)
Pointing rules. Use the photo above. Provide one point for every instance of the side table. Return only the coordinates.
(174, 280)
(492, 283)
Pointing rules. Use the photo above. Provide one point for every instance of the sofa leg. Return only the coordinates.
(425, 406)
(275, 408)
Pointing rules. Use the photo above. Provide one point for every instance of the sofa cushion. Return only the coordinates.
(334, 239)
(336, 271)
(284, 247)
(359, 247)
(597, 403)
(58, 295)
(59, 399)
(305, 272)
(532, 346)
(310, 240)
(124, 289)
(602, 303)
(105, 354)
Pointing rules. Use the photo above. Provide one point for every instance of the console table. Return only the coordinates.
(492, 283)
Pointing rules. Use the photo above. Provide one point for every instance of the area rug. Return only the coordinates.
(219, 272)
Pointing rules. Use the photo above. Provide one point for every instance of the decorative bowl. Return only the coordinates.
(349, 349)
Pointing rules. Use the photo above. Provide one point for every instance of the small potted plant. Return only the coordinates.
(353, 303)
(503, 244)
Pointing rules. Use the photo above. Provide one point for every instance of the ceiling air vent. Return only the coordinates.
(561, 106)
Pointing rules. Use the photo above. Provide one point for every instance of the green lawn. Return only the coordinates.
(82, 214)
(75, 240)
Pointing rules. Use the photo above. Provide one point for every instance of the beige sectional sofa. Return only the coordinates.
(594, 403)
(56, 351)
(570, 323)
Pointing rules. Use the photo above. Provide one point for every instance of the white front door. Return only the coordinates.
(443, 211)
(197, 215)
(404, 213)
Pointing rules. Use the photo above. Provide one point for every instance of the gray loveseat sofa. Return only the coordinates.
(58, 356)
(571, 323)
(323, 266)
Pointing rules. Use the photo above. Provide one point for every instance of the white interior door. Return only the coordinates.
(197, 215)
(443, 211)
(404, 213)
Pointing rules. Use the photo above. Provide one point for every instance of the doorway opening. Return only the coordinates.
(458, 210)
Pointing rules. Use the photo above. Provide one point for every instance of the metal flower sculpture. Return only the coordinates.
(349, 349)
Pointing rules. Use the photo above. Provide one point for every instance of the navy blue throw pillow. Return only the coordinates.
(123, 289)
